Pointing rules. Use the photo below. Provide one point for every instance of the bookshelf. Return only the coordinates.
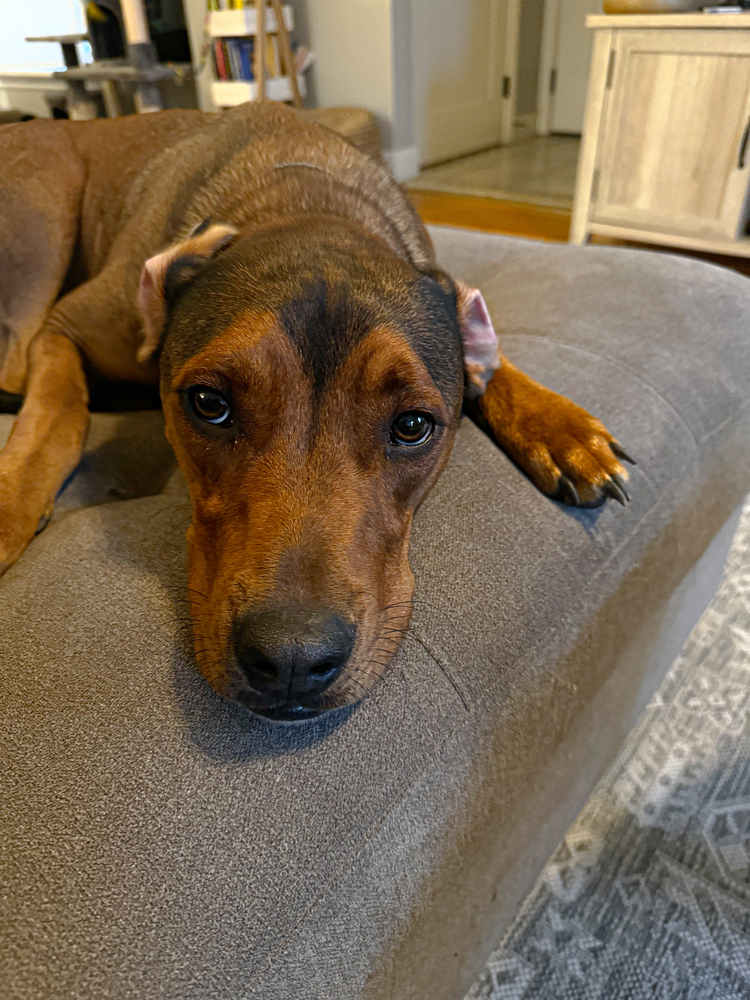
(235, 42)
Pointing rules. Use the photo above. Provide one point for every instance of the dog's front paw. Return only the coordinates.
(18, 524)
(565, 451)
(12, 542)
(579, 464)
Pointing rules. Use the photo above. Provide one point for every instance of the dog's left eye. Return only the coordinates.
(210, 405)
(412, 428)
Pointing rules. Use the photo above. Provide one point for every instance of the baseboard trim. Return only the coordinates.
(403, 163)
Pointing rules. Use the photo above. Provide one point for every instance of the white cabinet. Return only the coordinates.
(665, 155)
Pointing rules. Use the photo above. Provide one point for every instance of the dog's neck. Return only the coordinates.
(340, 197)
(361, 192)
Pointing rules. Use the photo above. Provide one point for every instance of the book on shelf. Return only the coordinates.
(219, 64)
(247, 52)
(229, 4)
(233, 58)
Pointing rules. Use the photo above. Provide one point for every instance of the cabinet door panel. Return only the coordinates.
(675, 121)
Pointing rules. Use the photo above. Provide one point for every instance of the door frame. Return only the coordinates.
(510, 67)
(546, 65)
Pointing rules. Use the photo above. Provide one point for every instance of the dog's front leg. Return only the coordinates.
(46, 442)
(565, 451)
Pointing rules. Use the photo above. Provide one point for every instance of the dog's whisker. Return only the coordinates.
(373, 675)
(351, 678)
(442, 667)
(364, 688)
(400, 618)
(173, 623)
(182, 587)
(398, 604)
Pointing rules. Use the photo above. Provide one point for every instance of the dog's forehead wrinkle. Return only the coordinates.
(324, 322)
(328, 288)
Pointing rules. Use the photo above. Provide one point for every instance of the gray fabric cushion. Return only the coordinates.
(161, 843)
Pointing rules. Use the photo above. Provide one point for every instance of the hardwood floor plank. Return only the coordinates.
(492, 215)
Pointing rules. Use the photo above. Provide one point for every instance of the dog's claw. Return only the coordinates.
(619, 481)
(566, 492)
(619, 452)
(43, 522)
(615, 488)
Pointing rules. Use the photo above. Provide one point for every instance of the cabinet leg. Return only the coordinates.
(579, 234)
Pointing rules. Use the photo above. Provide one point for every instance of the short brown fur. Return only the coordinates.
(314, 303)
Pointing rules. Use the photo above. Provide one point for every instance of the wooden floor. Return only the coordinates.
(514, 218)
(491, 215)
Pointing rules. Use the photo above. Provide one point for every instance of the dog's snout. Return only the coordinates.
(292, 653)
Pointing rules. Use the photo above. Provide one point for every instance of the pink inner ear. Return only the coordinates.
(477, 332)
(151, 304)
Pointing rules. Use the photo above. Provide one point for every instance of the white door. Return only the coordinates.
(570, 62)
(463, 70)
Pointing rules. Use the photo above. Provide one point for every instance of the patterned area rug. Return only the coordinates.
(648, 896)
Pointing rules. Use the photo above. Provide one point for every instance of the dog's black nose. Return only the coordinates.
(292, 653)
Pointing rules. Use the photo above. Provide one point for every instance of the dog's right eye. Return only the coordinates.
(210, 406)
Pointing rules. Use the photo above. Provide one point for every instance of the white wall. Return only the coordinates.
(362, 58)
(353, 65)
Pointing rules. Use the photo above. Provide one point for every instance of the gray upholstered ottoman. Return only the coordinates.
(157, 843)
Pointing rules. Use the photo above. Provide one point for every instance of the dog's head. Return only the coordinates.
(312, 384)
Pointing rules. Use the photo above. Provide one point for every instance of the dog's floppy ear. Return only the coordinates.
(163, 275)
(481, 351)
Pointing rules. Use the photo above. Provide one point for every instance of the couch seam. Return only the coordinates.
(346, 866)
(565, 617)
(725, 423)
(612, 361)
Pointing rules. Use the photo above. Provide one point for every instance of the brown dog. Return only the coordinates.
(313, 364)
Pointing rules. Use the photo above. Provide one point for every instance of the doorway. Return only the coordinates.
(564, 65)
(534, 159)
(464, 59)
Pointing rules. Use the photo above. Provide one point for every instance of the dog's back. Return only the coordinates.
(120, 191)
